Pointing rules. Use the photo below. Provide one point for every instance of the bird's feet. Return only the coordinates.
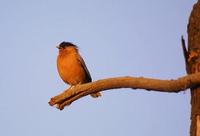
(71, 87)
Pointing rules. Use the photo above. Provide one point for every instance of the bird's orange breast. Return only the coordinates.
(70, 69)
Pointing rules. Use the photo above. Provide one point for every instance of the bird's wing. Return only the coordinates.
(88, 77)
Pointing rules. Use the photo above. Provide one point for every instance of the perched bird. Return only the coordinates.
(71, 66)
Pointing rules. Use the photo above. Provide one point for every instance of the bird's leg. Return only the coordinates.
(71, 86)
(58, 104)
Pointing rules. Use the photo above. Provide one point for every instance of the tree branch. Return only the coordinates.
(170, 86)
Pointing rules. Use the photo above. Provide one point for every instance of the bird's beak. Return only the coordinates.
(58, 47)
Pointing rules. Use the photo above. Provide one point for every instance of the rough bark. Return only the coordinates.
(170, 86)
(193, 64)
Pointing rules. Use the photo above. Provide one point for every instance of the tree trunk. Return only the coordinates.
(193, 66)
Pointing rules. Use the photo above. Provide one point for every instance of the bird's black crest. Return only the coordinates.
(67, 44)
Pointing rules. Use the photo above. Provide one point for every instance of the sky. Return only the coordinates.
(115, 38)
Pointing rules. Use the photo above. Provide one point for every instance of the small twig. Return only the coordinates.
(185, 52)
(170, 86)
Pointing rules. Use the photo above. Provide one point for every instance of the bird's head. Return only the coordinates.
(67, 47)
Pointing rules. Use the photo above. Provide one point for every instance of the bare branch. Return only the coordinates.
(170, 86)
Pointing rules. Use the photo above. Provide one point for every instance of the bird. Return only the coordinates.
(71, 66)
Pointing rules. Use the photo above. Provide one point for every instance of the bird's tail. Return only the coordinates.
(95, 95)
